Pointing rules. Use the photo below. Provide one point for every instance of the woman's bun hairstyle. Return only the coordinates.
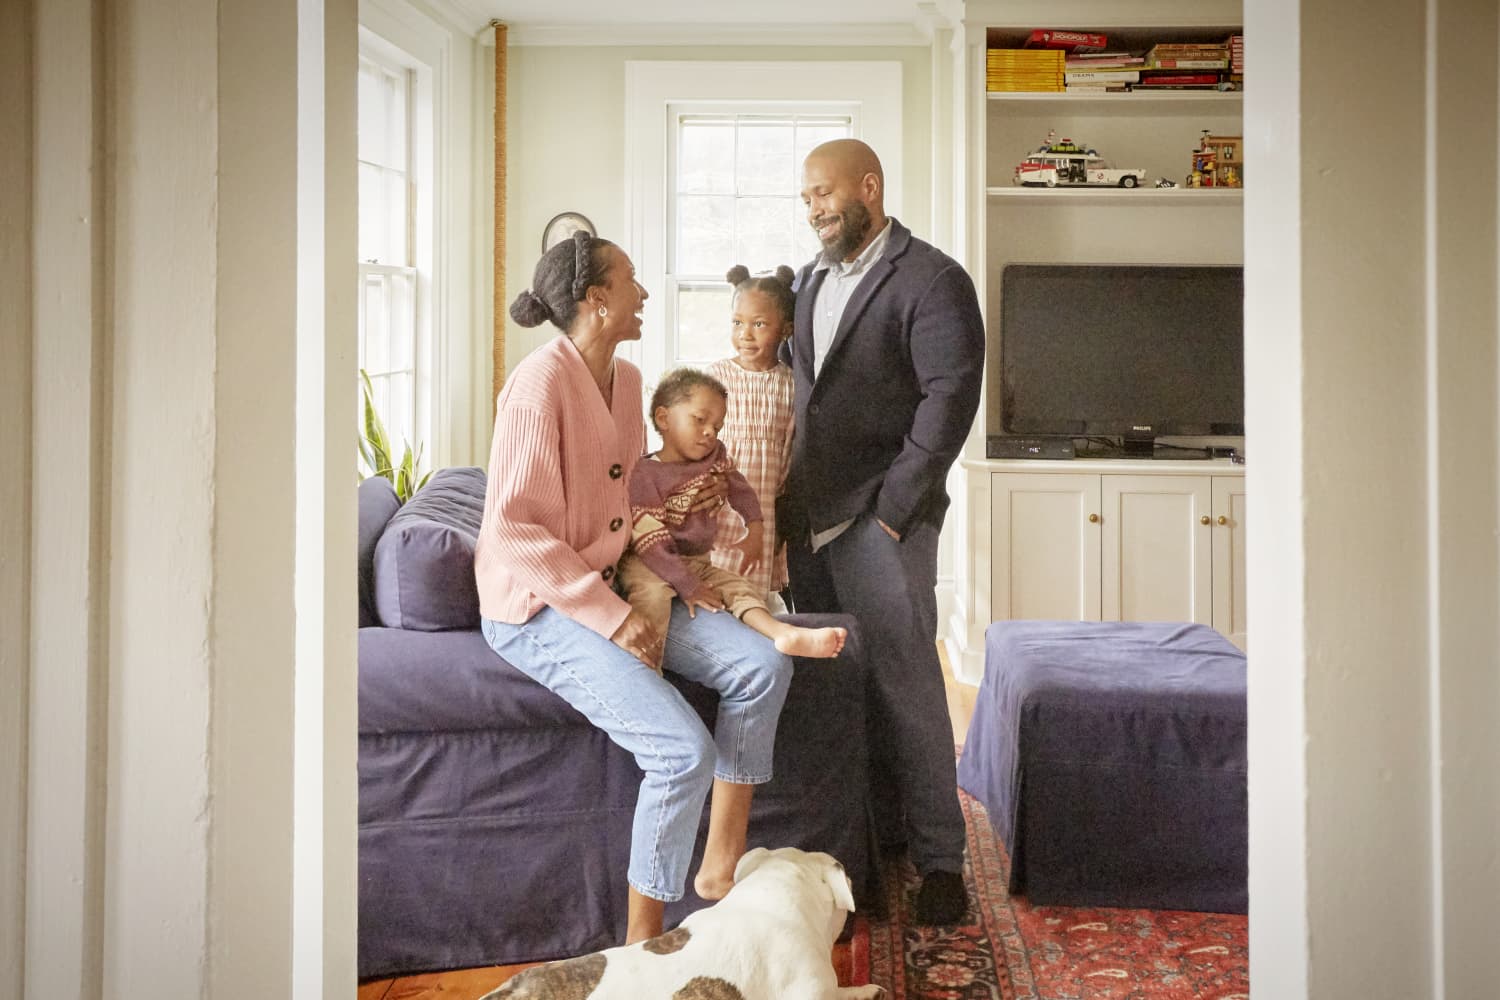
(737, 274)
(562, 278)
(528, 310)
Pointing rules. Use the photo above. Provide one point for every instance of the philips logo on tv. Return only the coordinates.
(1140, 427)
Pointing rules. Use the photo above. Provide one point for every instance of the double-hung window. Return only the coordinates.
(735, 182)
(713, 156)
(390, 301)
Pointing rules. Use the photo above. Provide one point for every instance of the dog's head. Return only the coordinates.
(818, 878)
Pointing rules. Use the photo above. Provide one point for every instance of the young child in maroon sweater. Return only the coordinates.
(670, 542)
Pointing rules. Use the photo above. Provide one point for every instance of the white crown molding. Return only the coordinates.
(642, 35)
(466, 15)
(938, 15)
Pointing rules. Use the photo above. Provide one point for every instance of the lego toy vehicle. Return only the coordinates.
(1066, 162)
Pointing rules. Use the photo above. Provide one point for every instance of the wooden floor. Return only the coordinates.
(470, 984)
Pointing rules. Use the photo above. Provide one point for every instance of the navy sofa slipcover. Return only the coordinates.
(494, 820)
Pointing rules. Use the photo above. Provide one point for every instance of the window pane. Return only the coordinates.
(813, 134)
(372, 138)
(394, 244)
(383, 224)
(764, 235)
(371, 213)
(702, 323)
(403, 318)
(396, 155)
(764, 163)
(377, 331)
(705, 234)
(398, 415)
(705, 155)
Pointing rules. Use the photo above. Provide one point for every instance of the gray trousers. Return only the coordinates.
(888, 586)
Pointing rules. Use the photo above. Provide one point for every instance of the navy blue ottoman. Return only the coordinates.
(1111, 758)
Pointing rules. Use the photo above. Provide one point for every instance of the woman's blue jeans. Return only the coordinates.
(643, 713)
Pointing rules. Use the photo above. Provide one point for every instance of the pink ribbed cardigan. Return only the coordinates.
(556, 511)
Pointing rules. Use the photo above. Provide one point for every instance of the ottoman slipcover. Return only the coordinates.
(1111, 758)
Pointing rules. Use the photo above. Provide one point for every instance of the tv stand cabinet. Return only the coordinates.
(1112, 540)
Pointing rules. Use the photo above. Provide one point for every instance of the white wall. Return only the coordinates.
(15, 489)
(566, 123)
(166, 538)
(69, 501)
(1371, 348)
(325, 840)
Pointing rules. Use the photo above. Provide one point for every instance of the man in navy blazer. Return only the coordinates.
(887, 354)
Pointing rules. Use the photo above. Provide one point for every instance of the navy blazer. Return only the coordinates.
(896, 395)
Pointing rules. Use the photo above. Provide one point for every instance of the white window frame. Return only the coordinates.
(405, 270)
(673, 280)
(397, 35)
(655, 91)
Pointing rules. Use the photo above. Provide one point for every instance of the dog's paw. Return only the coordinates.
(861, 992)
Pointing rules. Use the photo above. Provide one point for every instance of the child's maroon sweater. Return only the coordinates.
(665, 526)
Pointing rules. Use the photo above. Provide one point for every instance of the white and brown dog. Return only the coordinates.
(770, 938)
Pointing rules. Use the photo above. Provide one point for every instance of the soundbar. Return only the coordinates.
(1016, 446)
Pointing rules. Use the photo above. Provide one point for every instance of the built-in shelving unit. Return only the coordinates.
(1155, 131)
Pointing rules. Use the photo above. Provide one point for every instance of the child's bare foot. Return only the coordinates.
(713, 885)
(819, 643)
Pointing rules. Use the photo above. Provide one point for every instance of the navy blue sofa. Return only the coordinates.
(494, 820)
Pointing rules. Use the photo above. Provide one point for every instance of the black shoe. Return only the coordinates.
(941, 900)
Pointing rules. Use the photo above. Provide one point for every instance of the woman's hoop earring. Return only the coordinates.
(603, 311)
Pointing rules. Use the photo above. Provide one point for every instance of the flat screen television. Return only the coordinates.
(1114, 350)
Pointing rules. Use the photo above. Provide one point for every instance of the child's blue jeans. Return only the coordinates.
(643, 713)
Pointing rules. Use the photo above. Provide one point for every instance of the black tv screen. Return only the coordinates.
(1134, 351)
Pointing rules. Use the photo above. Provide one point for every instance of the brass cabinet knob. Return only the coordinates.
(1093, 519)
(1223, 519)
(1203, 519)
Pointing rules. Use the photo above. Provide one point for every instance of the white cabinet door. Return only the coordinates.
(1229, 556)
(1157, 555)
(1045, 548)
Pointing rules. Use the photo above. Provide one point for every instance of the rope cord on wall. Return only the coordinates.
(498, 350)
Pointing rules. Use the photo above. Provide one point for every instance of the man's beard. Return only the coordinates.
(854, 226)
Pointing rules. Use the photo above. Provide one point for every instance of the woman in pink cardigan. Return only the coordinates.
(568, 431)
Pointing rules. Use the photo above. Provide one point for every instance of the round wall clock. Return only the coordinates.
(562, 227)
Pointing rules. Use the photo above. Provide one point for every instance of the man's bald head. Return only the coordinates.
(843, 187)
(850, 160)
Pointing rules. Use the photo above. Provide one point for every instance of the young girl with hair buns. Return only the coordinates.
(758, 426)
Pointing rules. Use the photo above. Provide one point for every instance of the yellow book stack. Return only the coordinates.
(1027, 70)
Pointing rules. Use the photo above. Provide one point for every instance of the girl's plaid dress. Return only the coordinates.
(758, 436)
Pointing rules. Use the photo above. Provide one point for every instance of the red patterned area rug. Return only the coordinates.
(1010, 950)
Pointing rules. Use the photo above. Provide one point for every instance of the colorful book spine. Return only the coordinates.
(1102, 76)
(1175, 62)
(1179, 80)
(1070, 41)
(1024, 70)
(1104, 60)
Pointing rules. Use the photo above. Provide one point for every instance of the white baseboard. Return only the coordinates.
(947, 603)
(967, 663)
